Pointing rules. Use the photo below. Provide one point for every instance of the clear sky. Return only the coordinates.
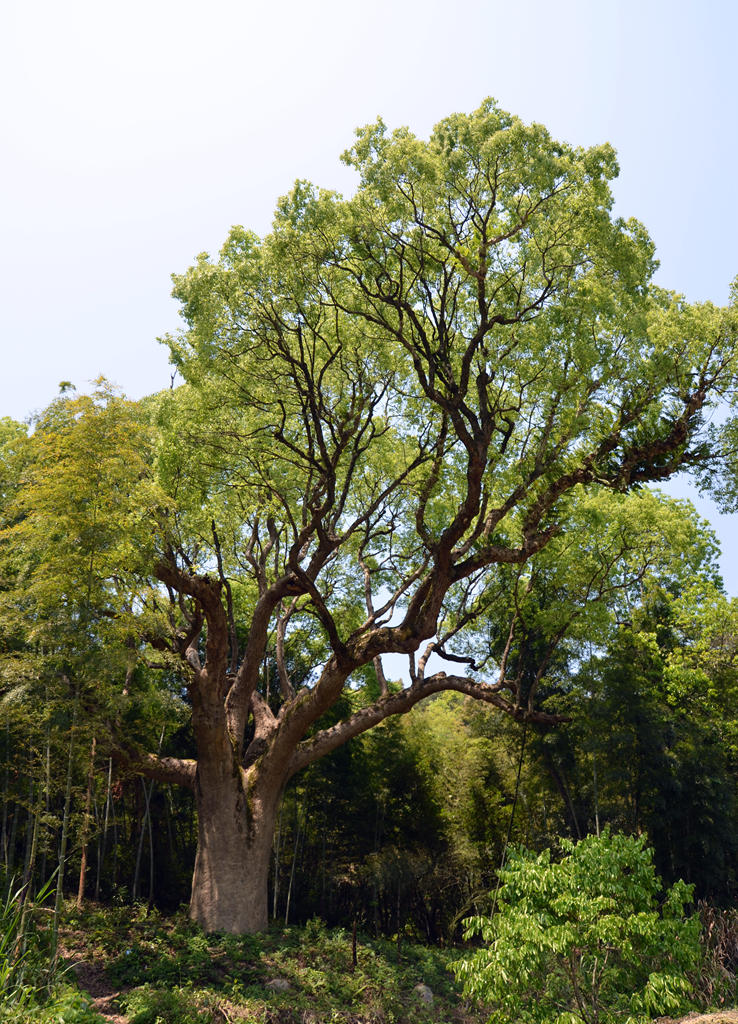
(133, 135)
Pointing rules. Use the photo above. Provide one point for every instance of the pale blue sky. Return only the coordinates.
(133, 135)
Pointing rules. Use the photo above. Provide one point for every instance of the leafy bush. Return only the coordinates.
(584, 939)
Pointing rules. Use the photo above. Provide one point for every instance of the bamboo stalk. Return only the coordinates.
(86, 825)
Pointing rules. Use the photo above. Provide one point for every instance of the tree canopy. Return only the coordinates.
(412, 387)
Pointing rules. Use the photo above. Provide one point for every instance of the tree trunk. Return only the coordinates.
(64, 839)
(4, 838)
(86, 826)
(102, 840)
(135, 888)
(235, 835)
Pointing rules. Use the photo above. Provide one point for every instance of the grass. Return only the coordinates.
(169, 972)
(28, 975)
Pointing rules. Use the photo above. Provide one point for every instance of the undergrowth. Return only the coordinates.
(169, 972)
(32, 988)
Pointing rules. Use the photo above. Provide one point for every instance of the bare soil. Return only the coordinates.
(93, 980)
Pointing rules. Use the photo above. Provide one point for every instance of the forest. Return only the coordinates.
(373, 640)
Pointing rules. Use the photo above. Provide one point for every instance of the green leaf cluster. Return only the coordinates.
(583, 939)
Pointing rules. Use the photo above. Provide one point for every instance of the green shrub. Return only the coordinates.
(584, 939)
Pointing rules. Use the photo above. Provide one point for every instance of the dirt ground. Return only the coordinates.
(93, 980)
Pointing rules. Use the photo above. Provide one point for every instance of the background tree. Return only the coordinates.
(76, 533)
(651, 745)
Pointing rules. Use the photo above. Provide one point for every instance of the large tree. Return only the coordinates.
(392, 406)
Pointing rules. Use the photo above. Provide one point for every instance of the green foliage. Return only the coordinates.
(467, 356)
(67, 1006)
(73, 553)
(149, 1005)
(651, 746)
(584, 939)
(29, 988)
(701, 672)
(26, 960)
(77, 523)
(81, 512)
(173, 971)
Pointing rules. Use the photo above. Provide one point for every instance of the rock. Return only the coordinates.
(278, 985)
(720, 1017)
(424, 994)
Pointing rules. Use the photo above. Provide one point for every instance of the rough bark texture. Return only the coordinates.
(229, 885)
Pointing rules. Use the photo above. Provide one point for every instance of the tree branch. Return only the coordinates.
(399, 703)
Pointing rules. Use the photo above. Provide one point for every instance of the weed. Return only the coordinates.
(26, 957)
(67, 1006)
(718, 981)
(149, 1005)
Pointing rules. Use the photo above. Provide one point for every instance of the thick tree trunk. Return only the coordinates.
(235, 835)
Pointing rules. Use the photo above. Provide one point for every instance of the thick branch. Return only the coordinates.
(177, 770)
(398, 703)
(207, 594)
